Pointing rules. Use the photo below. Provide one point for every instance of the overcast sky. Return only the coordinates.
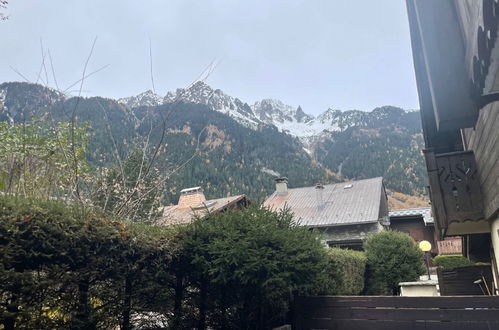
(317, 54)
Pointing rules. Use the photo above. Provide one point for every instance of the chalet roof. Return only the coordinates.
(346, 203)
(173, 215)
(424, 212)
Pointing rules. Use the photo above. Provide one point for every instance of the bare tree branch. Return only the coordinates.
(150, 61)
(43, 62)
(73, 124)
(39, 76)
(53, 71)
(85, 77)
(115, 145)
(20, 74)
(202, 77)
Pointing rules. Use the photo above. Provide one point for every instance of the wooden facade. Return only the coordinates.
(456, 60)
(416, 228)
(483, 139)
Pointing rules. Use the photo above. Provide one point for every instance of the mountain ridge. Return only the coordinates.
(350, 144)
(286, 118)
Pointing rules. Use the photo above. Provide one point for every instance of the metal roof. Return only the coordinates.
(346, 203)
(424, 212)
(173, 215)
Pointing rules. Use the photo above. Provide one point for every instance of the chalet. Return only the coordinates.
(345, 213)
(456, 59)
(417, 223)
(192, 205)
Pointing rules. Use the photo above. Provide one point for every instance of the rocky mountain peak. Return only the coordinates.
(273, 111)
(288, 119)
(216, 100)
(301, 116)
(147, 98)
(387, 110)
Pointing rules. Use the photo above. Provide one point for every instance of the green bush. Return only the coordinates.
(347, 269)
(65, 267)
(392, 257)
(242, 268)
(452, 261)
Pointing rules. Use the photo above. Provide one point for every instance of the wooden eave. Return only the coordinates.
(442, 79)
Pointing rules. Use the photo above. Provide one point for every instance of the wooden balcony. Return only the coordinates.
(455, 192)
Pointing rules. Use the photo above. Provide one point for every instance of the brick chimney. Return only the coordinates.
(191, 197)
(281, 185)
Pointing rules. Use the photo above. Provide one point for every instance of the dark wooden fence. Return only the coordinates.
(459, 281)
(390, 313)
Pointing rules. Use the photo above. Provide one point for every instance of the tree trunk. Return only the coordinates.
(9, 322)
(127, 304)
(177, 307)
(244, 313)
(83, 317)
(202, 304)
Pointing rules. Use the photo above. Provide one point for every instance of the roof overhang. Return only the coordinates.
(452, 45)
(368, 222)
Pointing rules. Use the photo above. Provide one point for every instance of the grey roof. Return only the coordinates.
(424, 212)
(346, 203)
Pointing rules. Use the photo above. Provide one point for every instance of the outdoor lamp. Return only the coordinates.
(425, 246)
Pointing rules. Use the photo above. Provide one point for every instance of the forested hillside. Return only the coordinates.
(195, 146)
(192, 145)
(387, 143)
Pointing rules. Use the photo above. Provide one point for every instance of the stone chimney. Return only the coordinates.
(281, 185)
(319, 189)
(191, 197)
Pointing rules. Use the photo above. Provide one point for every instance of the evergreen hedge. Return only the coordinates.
(452, 261)
(392, 257)
(63, 267)
(347, 269)
(67, 267)
(244, 267)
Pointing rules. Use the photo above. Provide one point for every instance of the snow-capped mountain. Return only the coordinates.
(352, 144)
(286, 118)
(147, 98)
(215, 99)
(271, 111)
